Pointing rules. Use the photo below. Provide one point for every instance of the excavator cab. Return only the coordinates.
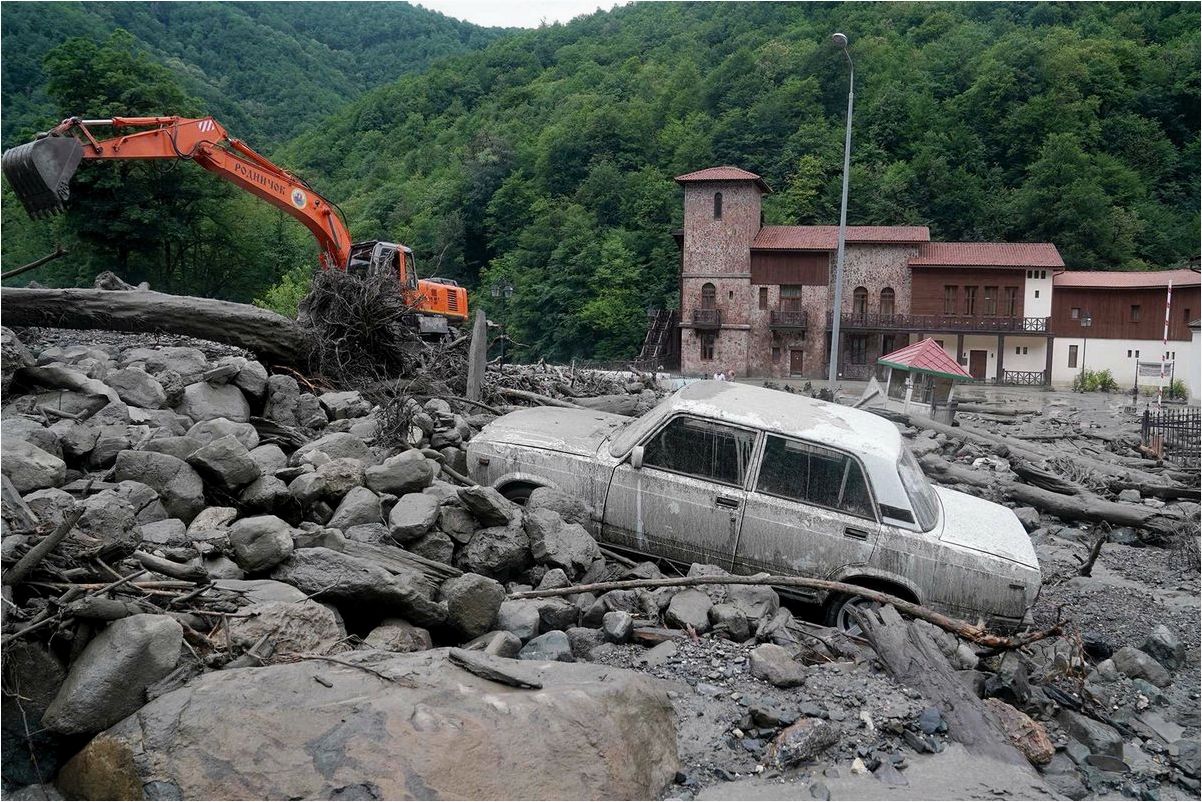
(374, 258)
(40, 172)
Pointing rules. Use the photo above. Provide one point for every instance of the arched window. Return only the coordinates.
(859, 301)
(717, 205)
(887, 298)
(708, 295)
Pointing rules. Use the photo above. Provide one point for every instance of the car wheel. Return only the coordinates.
(518, 494)
(839, 612)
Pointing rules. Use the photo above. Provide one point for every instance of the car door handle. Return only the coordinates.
(726, 501)
(855, 533)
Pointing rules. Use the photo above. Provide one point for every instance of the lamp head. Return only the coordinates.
(839, 40)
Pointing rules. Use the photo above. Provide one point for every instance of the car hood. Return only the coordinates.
(973, 523)
(572, 431)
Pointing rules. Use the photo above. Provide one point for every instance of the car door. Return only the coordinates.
(809, 513)
(685, 502)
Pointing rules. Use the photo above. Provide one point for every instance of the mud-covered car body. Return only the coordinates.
(756, 480)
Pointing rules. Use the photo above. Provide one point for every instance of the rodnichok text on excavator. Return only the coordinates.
(40, 173)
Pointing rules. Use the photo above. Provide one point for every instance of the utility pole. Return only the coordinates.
(840, 41)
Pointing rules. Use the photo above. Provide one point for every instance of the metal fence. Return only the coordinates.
(1173, 434)
(1024, 378)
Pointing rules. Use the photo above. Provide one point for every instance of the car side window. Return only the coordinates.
(701, 448)
(814, 475)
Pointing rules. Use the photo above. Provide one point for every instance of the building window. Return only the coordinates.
(790, 298)
(1136, 313)
(707, 346)
(1072, 356)
(1037, 293)
(1010, 301)
(1128, 353)
(717, 205)
(859, 301)
(887, 299)
(888, 343)
(939, 343)
(991, 301)
(970, 300)
(1024, 350)
(730, 294)
(709, 294)
(1029, 273)
(763, 297)
(1137, 354)
(949, 300)
(857, 345)
(1185, 317)
(1075, 313)
(775, 354)
(1017, 350)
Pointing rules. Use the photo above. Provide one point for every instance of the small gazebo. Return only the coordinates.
(922, 375)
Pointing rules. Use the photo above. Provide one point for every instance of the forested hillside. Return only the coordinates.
(547, 158)
(265, 69)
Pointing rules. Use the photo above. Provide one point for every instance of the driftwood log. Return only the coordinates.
(1080, 507)
(274, 338)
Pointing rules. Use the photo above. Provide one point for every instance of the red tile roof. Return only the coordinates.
(1126, 280)
(926, 356)
(826, 238)
(988, 254)
(724, 173)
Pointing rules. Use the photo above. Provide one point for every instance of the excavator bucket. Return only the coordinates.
(40, 172)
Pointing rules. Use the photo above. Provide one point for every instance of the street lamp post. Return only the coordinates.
(1086, 322)
(503, 291)
(840, 41)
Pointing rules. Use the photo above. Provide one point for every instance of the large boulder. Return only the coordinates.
(108, 680)
(349, 404)
(282, 395)
(359, 506)
(206, 401)
(137, 388)
(209, 430)
(776, 666)
(407, 472)
(335, 446)
(1137, 664)
(226, 463)
(488, 505)
(180, 488)
(437, 732)
(499, 551)
(283, 628)
(398, 635)
(412, 516)
(472, 603)
(261, 542)
(1164, 647)
(571, 508)
(28, 467)
(689, 608)
(563, 545)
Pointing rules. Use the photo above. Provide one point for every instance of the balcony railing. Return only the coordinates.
(966, 323)
(707, 318)
(788, 319)
(1024, 378)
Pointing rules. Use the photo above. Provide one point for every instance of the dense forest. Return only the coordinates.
(546, 158)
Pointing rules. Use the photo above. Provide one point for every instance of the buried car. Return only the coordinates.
(753, 480)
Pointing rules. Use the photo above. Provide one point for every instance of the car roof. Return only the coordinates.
(789, 414)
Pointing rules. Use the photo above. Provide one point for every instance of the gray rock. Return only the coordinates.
(15, 355)
(206, 401)
(728, 621)
(209, 430)
(346, 580)
(108, 680)
(287, 627)
(184, 361)
(368, 533)
(335, 445)
(553, 580)
(566, 546)
(168, 532)
(1098, 738)
(659, 654)
(359, 506)
(28, 467)
(260, 591)
(434, 545)
(488, 505)
(1139, 665)
(178, 446)
(637, 603)
(143, 499)
(76, 439)
(282, 394)
(307, 489)
(776, 666)
(1130, 495)
(1028, 517)
(520, 617)
(263, 495)
(590, 732)
(412, 516)
(226, 463)
(583, 640)
(137, 388)
(456, 522)
(552, 646)
(1184, 753)
(180, 488)
(472, 603)
(689, 608)
(35, 433)
(338, 476)
(309, 412)
(270, 457)
(108, 528)
(251, 378)
(350, 404)
(571, 508)
(802, 741)
(218, 566)
(501, 552)
(497, 643)
(1164, 647)
(261, 542)
(617, 626)
(556, 613)
(756, 602)
(398, 635)
(407, 472)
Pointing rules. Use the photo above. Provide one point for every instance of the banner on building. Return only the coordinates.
(1150, 373)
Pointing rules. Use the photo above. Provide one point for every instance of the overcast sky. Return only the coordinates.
(516, 13)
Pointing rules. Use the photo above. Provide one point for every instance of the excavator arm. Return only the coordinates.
(40, 171)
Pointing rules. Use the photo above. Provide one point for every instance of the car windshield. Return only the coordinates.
(631, 433)
(922, 495)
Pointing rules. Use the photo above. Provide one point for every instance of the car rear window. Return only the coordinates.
(814, 475)
(701, 448)
(918, 489)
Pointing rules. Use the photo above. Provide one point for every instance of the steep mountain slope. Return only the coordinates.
(267, 69)
(546, 159)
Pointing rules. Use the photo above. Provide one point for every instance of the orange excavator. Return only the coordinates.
(40, 173)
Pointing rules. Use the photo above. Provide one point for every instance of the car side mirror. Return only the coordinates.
(636, 457)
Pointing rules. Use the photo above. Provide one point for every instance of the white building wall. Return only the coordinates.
(1191, 365)
(1119, 357)
(1036, 357)
(1037, 293)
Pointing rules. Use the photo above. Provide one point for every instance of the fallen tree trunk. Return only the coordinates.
(1081, 507)
(957, 627)
(274, 338)
(542, 400)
